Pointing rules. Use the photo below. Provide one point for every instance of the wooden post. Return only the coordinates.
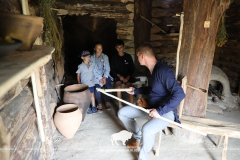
(184, 86)
(142, 28)
(25, 8)
(158, 143)
(179, 43)
(37, 87)
(225, 144)
(197, 52)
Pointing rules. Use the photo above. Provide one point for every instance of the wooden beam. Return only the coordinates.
(210, 122)
(20, 64)
(217, 130)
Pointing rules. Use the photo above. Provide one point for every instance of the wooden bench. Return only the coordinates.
(209, 126)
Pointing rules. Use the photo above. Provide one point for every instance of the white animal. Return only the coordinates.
(121, 136)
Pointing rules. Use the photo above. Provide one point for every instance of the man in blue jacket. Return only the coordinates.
(164, 95)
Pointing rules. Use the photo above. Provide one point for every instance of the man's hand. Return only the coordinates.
(131, 92)
(126, 79)
(153, 113)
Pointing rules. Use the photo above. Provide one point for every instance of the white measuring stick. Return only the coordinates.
(130, 104)
(118, 90)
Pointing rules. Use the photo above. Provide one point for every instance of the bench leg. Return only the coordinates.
(219, 141)
(158, 143)
(166, 131)
(225, 144)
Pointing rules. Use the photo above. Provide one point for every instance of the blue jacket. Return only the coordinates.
(163, 90)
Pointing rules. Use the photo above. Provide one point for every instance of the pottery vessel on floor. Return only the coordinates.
(67, 119)
(78, 94)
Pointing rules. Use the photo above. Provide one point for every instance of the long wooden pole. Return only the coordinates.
(152, 23)
(118, 90)
(130, 104)
(179, 44)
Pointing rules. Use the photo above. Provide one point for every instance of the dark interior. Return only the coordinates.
(80, 33)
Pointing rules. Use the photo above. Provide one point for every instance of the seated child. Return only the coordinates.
(85, 76)
(122, 68)
(101, 74)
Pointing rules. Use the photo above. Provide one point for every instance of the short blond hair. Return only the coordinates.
(146, 48)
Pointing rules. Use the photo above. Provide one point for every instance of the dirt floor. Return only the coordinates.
(92, 141)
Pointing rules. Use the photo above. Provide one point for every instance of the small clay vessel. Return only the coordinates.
(142, 103)
(78, 94)
(67, 119)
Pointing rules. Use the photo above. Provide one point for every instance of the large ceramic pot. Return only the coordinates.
(78, 94)
(22, 27)
(67, 119)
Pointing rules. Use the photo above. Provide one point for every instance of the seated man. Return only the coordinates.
(122, 69)
(164, 95)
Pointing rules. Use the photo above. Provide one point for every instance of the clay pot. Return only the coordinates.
(78, 94)
(142, 103)
(22, 27)
(67, 119)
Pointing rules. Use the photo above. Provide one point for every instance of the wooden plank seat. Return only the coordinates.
(209, 126)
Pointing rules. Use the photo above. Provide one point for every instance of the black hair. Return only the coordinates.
(97, 43)
(119, 42)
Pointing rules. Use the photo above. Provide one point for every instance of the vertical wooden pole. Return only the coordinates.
(225, 144)
(184, 86)
(36, 87)
(25, 8)
(158, 143)
(179, 43)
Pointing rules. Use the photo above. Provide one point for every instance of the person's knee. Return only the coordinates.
(122, 112)
(147, 130)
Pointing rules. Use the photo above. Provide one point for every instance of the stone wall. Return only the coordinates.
(17, 109)
(122, 11)
(164, 15)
